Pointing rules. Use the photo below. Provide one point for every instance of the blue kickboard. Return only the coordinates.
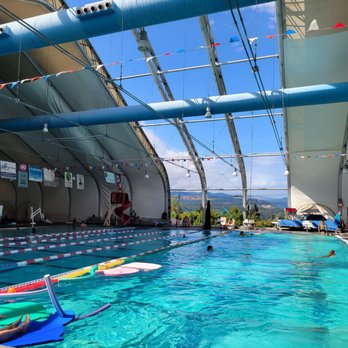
(50, 330)
(290, 223)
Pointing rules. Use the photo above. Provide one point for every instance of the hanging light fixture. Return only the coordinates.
(207, 112)
(286, 171)
(45, 128)
(235, 172)
(147, 176)
(188, 174)
(143, 44)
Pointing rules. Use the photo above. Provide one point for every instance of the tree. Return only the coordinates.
(236, 215)
(253, 212)
(176, 208)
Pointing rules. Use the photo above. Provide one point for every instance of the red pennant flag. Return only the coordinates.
(270, 36)
(216, 44)
(36, 78)
(338, 25)
(3, 85)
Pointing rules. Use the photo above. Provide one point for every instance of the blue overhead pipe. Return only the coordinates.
(299, 96)
(101, 18)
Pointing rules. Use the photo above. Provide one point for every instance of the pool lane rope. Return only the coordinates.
(60, 236)
(37, 283)
(61, 245)
(13, 265)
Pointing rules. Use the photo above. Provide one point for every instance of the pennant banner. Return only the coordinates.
(312, 27)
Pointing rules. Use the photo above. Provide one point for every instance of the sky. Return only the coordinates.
(256, 136)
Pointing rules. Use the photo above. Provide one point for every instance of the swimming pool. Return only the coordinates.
(270, 290)
(53, 251)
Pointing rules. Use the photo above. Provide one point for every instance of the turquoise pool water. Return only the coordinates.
(271, 290)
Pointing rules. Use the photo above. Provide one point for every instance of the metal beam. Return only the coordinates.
(195, 67)
(214, 60)
(163, 86)
(215, 119)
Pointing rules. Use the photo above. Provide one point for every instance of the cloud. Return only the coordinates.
(269, 9)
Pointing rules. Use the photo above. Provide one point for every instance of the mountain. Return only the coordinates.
(268, 206)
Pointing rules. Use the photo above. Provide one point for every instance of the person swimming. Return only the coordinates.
(331, 253)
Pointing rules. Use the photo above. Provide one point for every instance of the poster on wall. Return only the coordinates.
(8, 170)
(80, 182)
(35, 173)
(68, 179)
(110, 177)
(50, 178)
(22, 179)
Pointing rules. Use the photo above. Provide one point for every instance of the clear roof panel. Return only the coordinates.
(180, 45)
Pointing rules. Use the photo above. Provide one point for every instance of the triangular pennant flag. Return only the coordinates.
(216, 44)
(167, 54)
(36, 78)
(64, 72)
(114, 63)
(252, 39)
(290, 31)
(269, 36)
(13, 84)
(234, 39)
(2, 85)
(99, 66)
(46, 77)
(314, 25)
(25, 80)
(338, 25)
(181, 50)
(149, 58)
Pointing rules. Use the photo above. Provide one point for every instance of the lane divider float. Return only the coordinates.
(61, 245)
(36, 284)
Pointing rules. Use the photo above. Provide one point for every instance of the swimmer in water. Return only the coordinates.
(331, 253)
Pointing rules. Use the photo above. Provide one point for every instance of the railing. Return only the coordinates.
(38, 211)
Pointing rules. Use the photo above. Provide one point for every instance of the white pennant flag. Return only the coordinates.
(313, 25)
